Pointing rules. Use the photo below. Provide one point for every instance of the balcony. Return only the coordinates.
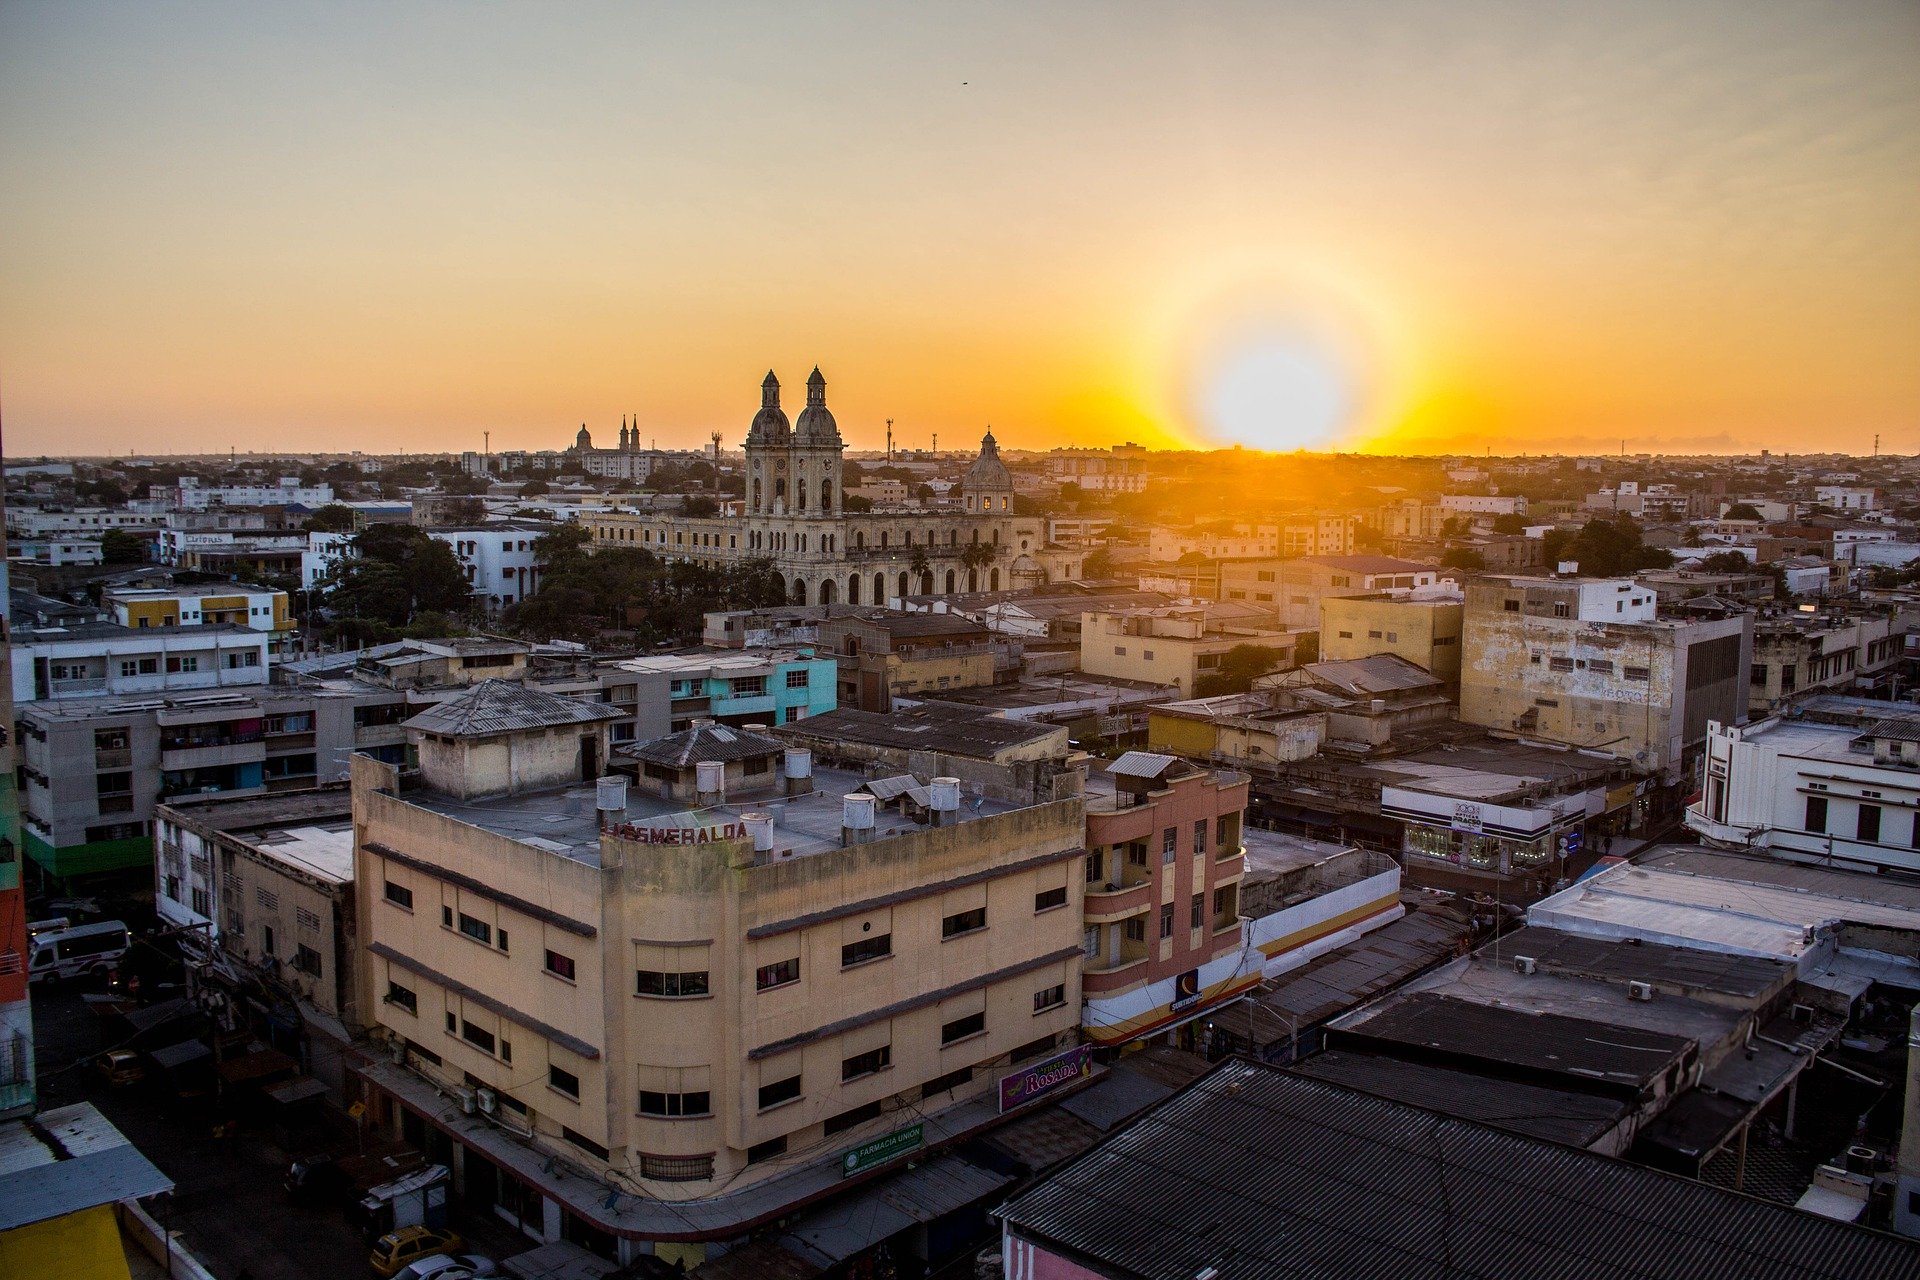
(211, 755)
(113, 758)
(1106, 903)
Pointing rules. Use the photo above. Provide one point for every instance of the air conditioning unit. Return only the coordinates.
(487, 1100)
(466, 1100)
(1524, 964)
(1639, 991)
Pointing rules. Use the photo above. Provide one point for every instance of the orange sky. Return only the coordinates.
(1457, 224)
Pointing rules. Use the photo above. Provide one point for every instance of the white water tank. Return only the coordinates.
(856, 812)
(944, 796)
(760, 827)
(610, 794)
(799, 762)
(710, 777)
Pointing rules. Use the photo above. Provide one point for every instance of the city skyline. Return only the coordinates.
(1431, 229)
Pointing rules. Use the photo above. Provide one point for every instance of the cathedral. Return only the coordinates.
(794, 515)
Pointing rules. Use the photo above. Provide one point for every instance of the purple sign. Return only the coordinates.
(1020, 1087)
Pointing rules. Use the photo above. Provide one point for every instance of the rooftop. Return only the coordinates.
(111, 632)
(702, 743)
(719, 662)
(1255, 1173)
(67, 1159)
(931, 726)
(1380, 673)
(902, 626)
(193, 590)
(1565, 1116)
(565, 822)
(505, 706)
(1371, 564)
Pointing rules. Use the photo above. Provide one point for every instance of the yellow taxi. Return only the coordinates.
(397, 1248)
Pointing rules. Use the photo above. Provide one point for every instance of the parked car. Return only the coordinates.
(120, 1066)
(399, 1248)
(448, 1266)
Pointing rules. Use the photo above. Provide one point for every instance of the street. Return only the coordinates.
(229, 1204)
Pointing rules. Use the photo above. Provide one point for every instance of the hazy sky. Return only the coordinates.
(1429, 225)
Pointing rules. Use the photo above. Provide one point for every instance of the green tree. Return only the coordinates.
(1509, 523)
(1725, 562)
(1462, 558)
(698, 504)
(854, 504)
(1098, 564)
(1742, 511)
(1239, 667)
(1605, 548)
(535, 488)
(117, 546)
(332, 518)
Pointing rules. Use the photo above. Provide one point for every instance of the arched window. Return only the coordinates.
(973, 579)
(826, 496)
(879, 588)
(953, 537)
(993, 581)
(756, 493)
(780, 489)
(828, 591)
(976, 535)
(860, 539)
(996, 537)
(883, 539)
(853, 589)
(799, 594)
(949, 582)
(904, 589)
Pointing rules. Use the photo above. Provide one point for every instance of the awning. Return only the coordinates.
(830, 1235)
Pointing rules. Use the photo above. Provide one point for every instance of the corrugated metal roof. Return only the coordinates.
(69, 1159)
(504, 706)
(930, 1190)
(1380, 673)
(1553, 1115)
(1258, 1173)
(706, 742)
(1141, 764)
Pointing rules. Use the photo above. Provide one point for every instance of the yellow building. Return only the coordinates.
(68, 1186)
(1173, 646)
(1259, 729)
(1424, 632)
(256, 608)
(776, 988)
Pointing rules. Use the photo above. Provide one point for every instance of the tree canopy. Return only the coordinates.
(1742, 511)
(400, 577)
(117, 546)
(585, 592)
(1239, 667)
(1605, 548)
(332, 518)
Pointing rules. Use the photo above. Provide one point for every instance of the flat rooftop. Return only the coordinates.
(717, 661)
(111, 632)
(931, 726)
(564, 821)
(1045, 693)
(1272, 853)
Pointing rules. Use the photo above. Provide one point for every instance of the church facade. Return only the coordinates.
(794, 515)
(628, 462)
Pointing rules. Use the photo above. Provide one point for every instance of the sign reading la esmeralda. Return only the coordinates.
(1023, 1086)
(869, 1154)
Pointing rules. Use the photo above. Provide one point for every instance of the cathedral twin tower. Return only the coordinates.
(793, 469)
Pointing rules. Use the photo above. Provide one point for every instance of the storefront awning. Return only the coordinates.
(830, 1235)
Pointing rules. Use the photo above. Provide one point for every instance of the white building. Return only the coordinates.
(1123, 469)
(1840, 497)
(191, 495)
(1484, 504)
(27, 523)
(86, 661)
(54, 552)
(1833, 794)
(499, 559)
(324, 555)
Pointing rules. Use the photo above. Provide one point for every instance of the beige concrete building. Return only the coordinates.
(1424, 631)
(1173, 646)
(668, 1025)
(1587, 663)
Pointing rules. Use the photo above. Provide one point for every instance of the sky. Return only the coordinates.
(1447, 226)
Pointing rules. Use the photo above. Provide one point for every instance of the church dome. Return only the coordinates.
(770, 424)
(987, 472)
(816, 424)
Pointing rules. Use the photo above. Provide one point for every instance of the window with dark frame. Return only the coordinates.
(772, 1095)
(862, 950)
(1050, 997)
(560, 966)
(960, 1028)
(1048, 899)
(866, 1064)
(565, 1081)
(778, 974)
(670, 986)
(971, 920)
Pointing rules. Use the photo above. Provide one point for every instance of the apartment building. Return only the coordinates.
(1481, 504)
(1797, 654)
(1424, 629)
(1121, 469)
(722, 1012)
(1586, 662)
(883, 655)
(500, 560)
(1811, 791)
(1173, 646)
(90, 659)
(1163, 936)
(205, 604)
(1167, 543)
(1294, 588)
(731, 687)
(191, 495)
(261, 888)
(92, 769)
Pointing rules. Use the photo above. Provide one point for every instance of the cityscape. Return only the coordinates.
(858, 768)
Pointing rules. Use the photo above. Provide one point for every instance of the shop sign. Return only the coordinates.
(1468, 817)
(871, 1155)
(1020, 1087)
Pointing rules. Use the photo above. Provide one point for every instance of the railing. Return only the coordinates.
(113, 758)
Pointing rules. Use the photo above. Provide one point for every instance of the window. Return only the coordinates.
(960, 1028)
(797, 679)
(1166, 920)
(1050, 997)
(777, 974)
(1816, 814)
(866, 949)
(1048, 899)
(1511, 606)
(866, 1064)
(971, 921)
(403, 997)
(500, 939)
(588, 1145)
(1136, 928)
(940, 1084)
(670, 986)
(1169, 843)
(1137, 854)
(565, 1081)
(478, 930)
(1033, 1048)
(560, 966)
(849, 1119)
(771, 1149)
(307, 960)
(1638, 673)
(1197, 913)
(1560, 664)
(478, 1037)
(269, 901)
(446, 917)
(772, 1095)
(1223, 900)
(1868, 828)
(1199, 836)
(1096, 866)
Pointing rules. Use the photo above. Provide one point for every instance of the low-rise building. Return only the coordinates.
(1175, 646)
(1424, 629)
(206, 604)
(726, 1012)
(90, 659)
(57, 552)
(1587, 663)
(1832, 650)
(501, 560)
(760, 686)
(883, 654)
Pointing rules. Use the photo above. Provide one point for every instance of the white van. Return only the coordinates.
(61, 954)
